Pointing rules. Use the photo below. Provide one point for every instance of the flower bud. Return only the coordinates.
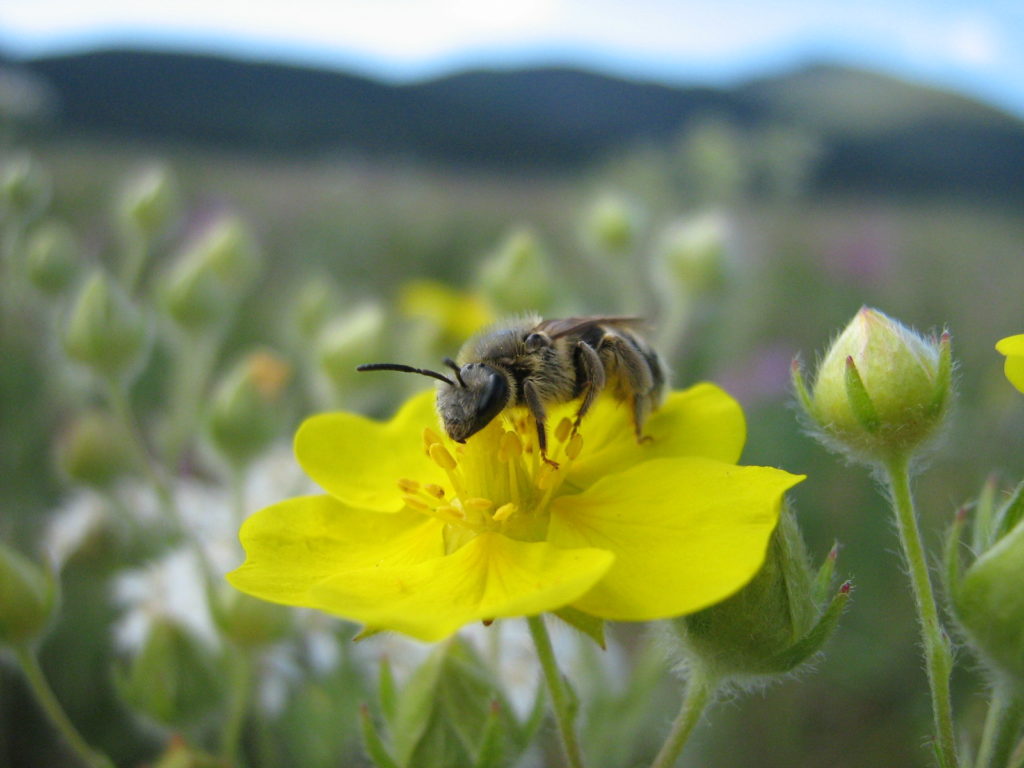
(1013, 348)
(247, 621)
(245, 412)
(881, 389)
(105, 330)
(206, 281)
(350, 340)
(773, 624)
(29, 596)
(611, 225)
(446, 317)
(172, 679)
(515, 277)
(987, 599)
(313, 304)
(53, 258)
(691, 254)
(149, 201)
(94, 450)
(25, 188)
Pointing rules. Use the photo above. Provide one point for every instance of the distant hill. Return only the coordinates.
(877, 132)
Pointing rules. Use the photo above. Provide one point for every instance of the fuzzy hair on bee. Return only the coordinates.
(533, 363)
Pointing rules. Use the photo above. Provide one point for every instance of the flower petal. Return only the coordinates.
(300, 542)
(359, 461)
(686, 533)
(491, 577)
(703, 420)
(1013, 348)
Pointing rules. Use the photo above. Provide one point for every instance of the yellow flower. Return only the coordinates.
(1013, 348)
(421, 535)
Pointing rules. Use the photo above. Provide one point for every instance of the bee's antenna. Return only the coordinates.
(405, 369)
(458, 371)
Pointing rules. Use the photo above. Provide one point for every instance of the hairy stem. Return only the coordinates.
(699, 691)
(561, 699)
(937, 656)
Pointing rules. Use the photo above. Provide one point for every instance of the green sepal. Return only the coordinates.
(803, 395)
(823, 579)
(951, 555)
(808, 645)
(387, 692)
(490, 753)
(984, 518)
(1010, 513)
(860, 401)
(591, 626)
(373, 742)
(944, 376)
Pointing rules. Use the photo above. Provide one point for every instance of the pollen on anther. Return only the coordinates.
(546, 477)
(563, 429)
(434, 490)
(504, 512)
(479, 503)
(416, 503)
(408, 486)
(575, 446)
(439, 454)
(451, 513)
(430, 437)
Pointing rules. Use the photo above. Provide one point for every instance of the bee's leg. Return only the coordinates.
(637, 372)
(593, 372)
(539, 416)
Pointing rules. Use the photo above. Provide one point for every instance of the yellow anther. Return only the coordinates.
(478, 503)
(441, 457)
(546, 476)
(504, 512)
(405, 485)
(416, 503)
(511, 445)
(572, 450)
(430, 437)
(450, 513)
(434, 490)
(563, 429)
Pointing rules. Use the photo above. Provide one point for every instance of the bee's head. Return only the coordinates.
(467, 404)
(471, 402)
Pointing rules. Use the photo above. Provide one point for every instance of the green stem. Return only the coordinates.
(117, 396)
(938, 659)
(238, 705)
(699, 690)
(561, 698)
(1002, 725)
(49, 704)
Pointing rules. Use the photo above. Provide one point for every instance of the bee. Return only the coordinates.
(533, 363)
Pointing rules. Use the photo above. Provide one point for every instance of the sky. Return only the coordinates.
(972, 47)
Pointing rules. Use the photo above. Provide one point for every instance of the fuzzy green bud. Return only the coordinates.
(206, 281)
(249, 622)
(773, 624)
(350, 340)
(149, 201)
(52, 258)
(245, 413)
(691, 253)
(172, 679)
(611, 224)
(881, 390)
(314, 302)
(987, 599)
(94, 451)
(25, 188)
(29, 596)
(104, 329)
(515, 277)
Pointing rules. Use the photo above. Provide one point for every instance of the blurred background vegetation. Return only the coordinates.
(799, 199)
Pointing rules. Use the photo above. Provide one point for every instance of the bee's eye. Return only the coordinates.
(492, 399)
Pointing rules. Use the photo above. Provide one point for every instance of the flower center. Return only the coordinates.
(497, 481)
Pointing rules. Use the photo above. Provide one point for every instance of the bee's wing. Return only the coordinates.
(566, 326)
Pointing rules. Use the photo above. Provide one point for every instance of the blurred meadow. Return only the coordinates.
(723, 234)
